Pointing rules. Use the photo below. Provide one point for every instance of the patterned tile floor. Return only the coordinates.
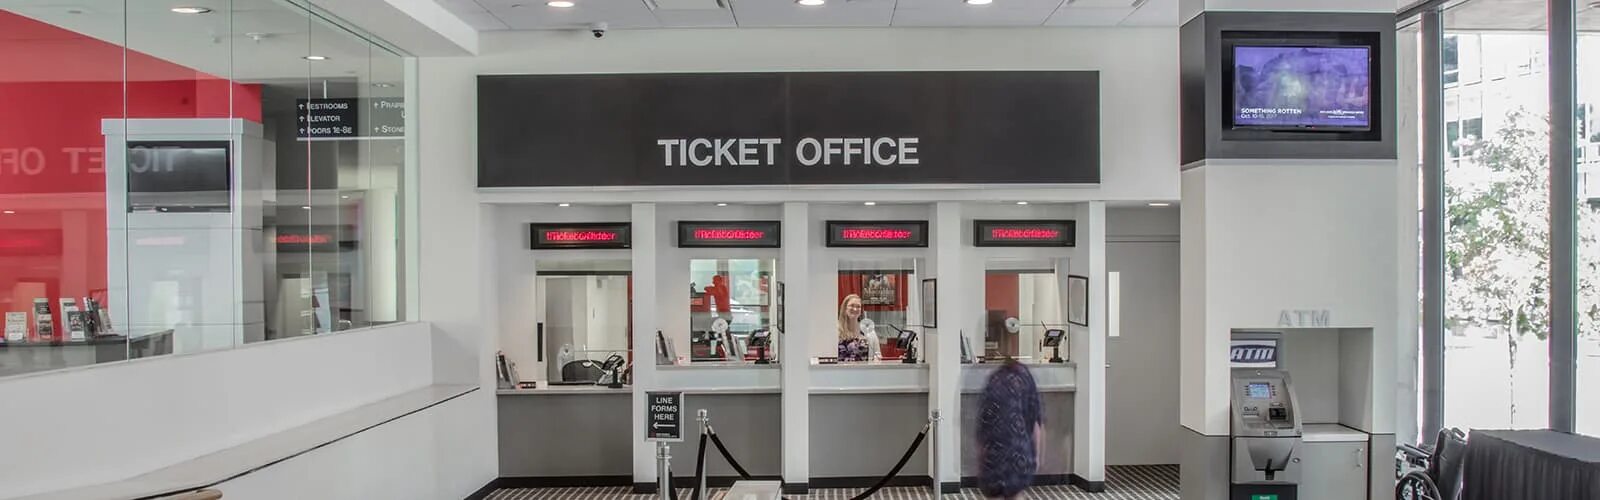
(1144, 482)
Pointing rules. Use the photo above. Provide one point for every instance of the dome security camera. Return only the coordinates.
(598, 30)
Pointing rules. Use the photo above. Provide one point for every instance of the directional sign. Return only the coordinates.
(342, 118)
(663, 416)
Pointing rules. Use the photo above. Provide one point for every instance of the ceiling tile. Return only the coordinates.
(958, 13)
(1154, 13)
(695, 18)
(785, 13)
(1081, 16)
(1101, 4)
(534, 14)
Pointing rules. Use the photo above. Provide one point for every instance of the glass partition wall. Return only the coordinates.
(1022, 300)
(164, 193)
(585, 317)
(1516, 129)
(731, 303)
(878, 301)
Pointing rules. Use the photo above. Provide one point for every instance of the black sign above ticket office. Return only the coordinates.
(580, 235)
(730, 234)
(884, 234)
(1024, 233)
(963, 127)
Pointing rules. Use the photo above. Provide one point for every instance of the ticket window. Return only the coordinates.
(887, 290)
(729, 300)
(586, 316)
(1021, 302)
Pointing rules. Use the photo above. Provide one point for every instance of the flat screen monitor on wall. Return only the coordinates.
(174, 176)
(1302, 87)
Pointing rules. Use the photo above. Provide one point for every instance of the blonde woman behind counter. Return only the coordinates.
(853, 345)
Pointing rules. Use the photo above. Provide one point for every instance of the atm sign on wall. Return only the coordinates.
(580, 236)
(730, 234)
(877, 233)
(1024, 233)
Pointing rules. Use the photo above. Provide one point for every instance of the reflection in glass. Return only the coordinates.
(729, 299)
(1588, 220)
(586, 318)
(1022, 300)
(877, 300)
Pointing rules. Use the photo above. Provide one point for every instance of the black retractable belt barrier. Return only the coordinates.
(743, 474)
(700, 462)
(896, 470)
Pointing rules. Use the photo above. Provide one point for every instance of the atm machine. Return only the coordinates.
(1267, 436)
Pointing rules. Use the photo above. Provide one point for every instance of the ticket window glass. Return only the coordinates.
(586, 317)
(729, 299)
(1021, 302)
(887, 290)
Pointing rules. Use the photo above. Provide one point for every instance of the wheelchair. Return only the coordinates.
(1432, 475)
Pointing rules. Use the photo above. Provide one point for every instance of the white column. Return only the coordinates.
(944, 344)
(794, 351)
(645, 324)
(1089, 352)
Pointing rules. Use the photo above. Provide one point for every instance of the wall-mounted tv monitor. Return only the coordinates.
(1302, 87)
(179, 176)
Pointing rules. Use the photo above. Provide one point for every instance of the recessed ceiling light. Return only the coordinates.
(979, 2)
(722, 204)
(1160, 204)
(870, 203)
(810, 3)
(305, 207)
(10, 212)
(315, 58)
(344, 197)
(561, 4)
(1022, 203)
(191, 10)
(564, 204)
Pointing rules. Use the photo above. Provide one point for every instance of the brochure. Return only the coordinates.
(16, 327)
(43, 322)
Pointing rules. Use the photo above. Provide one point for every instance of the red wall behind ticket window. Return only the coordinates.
(56, 87)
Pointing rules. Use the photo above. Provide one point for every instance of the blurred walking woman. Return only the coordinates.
(852, 344)
(1010, 427)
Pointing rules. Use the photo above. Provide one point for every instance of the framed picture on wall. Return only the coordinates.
(878, 289)
(778, 309)
(1078, 300)
(930, 303)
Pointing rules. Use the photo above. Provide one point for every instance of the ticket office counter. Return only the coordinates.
(565, 435)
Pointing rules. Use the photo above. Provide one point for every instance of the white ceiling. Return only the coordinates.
(493, 15)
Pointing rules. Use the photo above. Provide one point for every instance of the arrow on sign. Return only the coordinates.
(658, 425)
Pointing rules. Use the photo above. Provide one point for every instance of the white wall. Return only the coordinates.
(1285, 235)
(406, 459)
(110, 422)
(455, 261)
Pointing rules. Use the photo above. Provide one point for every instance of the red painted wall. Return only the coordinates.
(56, 87)
(1000, 300)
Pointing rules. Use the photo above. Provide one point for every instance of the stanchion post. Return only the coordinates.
(933, 450)
(663, 471)
(705, 428)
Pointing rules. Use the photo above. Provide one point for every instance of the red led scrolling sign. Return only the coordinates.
(877, 233)
(585, 235)
(730, 234)
(1024, 233)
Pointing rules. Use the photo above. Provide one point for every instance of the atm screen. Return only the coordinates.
(1258, 390)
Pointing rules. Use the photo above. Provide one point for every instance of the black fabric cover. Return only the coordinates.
(1531, 465)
